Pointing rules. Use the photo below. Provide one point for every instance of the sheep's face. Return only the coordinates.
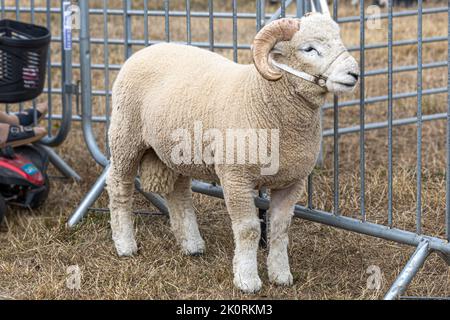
(317, 49)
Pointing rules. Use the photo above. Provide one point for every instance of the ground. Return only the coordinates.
(36, 248)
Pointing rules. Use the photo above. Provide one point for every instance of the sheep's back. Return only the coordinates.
(175, 87)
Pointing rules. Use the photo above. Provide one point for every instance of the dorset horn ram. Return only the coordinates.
(167, 89)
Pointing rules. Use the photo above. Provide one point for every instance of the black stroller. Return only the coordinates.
(23, 58)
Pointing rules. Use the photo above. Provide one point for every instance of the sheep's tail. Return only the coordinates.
(155, 175)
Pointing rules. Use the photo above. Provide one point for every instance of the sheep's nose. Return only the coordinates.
(354, 75)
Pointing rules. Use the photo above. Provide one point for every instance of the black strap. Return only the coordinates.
(17, 133)
(27, 118)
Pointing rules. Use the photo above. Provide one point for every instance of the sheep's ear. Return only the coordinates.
(277, 50)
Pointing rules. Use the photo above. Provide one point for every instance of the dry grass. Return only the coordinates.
(327, 263)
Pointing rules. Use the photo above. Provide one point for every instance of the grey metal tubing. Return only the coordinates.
(385, 124)
(118, 41)
(188, 22)
(398, 96)
(86, 83)
(166, 20)
(409, 271)
(235, 31)
(336, 136)
(153, 198)
(221, 15)
(342, 222)
(127, 29)
(66, 123)
(300, 12)
(390, 113)
(106, 73)
(49, 70)
(280, 12)
(59, 163)
(146, 31)
(283, 8)
(211, 25)
(447, 182)
(419, 119)
(259, 22)
(400, 14)
(93, 194)
(362, 97)
(399, 43)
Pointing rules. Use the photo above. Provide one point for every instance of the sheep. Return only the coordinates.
(167, 87)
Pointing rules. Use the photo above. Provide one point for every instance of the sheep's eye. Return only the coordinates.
(310, 50)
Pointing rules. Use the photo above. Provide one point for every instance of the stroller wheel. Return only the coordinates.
(40, 198)
(2, 208)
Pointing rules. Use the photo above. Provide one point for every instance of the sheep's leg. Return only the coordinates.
(125, 159)
(281, 212)
(246, 229)
(183, 219)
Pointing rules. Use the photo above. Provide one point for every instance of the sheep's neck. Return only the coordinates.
(281, 102)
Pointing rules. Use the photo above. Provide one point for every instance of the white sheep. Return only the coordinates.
(165, 87)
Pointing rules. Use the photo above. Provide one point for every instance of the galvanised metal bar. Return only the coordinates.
(370, 73)
(419, 119)
(211, 25)
(310, 191)
(227, 15)
(390, 113)
(86, 84)
(166, 20)
(385, 124)
(447, 182)
(283, 9)
(49, 70)
(18, 19)
(409, 271)
(335, 138)
(248, 46)
(154, 199)
(91, 196)
(188, 22)
(362, 96)
(398, 96)
(400, 43)
(106, 70)
(278, 13)
(59, 163)
(235, 31)
(146, 31)
(127, 28)
(258, 15)
(300, 8)
(342, 222)
(399, 14)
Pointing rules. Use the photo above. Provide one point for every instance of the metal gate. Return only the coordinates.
(154, 25)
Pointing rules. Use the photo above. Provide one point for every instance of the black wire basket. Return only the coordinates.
(23, 59)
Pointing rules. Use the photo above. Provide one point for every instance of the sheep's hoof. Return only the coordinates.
(193, 247)
(126, 248)
(281, 279)
(248, 284)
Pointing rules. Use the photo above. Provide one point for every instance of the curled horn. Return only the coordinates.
(266, 39)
